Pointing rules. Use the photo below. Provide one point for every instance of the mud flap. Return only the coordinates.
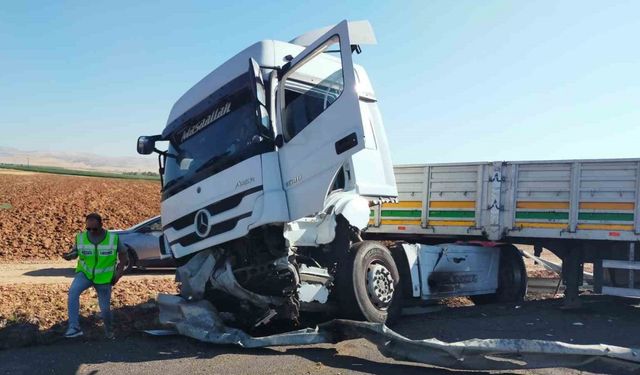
(200, 320)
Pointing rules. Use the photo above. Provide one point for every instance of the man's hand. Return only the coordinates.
(73, 254)
(118, 274)
(123, 260)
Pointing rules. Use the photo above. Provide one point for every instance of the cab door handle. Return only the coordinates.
(346, 143)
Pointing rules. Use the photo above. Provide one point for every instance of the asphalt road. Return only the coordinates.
(602, 319)
(177, 355)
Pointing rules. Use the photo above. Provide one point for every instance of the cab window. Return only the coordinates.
(311, 89)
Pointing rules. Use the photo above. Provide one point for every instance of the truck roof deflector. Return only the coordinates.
(360, 32)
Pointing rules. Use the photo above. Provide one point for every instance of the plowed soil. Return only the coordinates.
(32, 315)
(41, 213)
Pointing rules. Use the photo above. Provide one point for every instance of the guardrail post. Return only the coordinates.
(598, 273)
(572, 271)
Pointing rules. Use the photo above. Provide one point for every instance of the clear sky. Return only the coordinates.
(457, 80)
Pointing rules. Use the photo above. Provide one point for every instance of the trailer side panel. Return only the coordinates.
(576, 199)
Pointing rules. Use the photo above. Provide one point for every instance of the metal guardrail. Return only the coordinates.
(631, 265)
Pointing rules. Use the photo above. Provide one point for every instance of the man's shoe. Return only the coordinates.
(73, 332)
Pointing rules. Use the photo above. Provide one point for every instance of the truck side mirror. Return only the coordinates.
(257, 82)
(147, 144)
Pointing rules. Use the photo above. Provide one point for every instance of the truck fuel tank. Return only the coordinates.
(448, 270)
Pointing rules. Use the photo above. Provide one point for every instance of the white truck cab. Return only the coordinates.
(274, 160)
(246, 151)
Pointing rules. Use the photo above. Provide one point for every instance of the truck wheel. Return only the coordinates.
(512, 279)
(368, 285)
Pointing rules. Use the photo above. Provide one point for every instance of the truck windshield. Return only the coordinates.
(224, 132)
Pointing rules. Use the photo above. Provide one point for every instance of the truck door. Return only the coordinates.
(319, 120)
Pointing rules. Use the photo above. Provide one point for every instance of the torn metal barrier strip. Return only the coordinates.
(557, 268)
(482, 354)
(201, 321)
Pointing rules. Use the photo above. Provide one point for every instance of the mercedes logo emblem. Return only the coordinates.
(202, 223)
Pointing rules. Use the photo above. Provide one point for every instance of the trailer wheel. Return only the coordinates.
(368, 284)
(512, 279)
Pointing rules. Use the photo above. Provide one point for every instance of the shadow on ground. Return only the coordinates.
(71, 272)
(60, 272)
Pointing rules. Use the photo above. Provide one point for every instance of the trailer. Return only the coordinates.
(584, 211)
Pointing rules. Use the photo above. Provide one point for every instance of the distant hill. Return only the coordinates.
(80, 161)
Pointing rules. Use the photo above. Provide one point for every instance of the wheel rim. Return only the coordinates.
(379, 285)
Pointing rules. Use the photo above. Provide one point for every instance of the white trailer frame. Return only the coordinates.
(588, 206)
(580, 198)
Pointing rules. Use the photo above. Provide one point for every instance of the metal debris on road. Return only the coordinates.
(200, 320)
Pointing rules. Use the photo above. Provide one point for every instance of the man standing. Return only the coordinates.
(101, 261)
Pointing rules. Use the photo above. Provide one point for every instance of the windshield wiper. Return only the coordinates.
(214, 160)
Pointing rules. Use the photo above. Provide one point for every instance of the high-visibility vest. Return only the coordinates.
(97, 262)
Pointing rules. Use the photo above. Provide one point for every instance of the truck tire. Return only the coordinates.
(368, 285)
(512, 279)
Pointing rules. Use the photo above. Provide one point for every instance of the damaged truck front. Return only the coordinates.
(273, 162)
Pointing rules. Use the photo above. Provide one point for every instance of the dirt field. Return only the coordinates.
(35, 314)
(40, 213)
(39, 216)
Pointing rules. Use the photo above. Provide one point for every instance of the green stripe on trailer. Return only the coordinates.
(550, 215)
(606, 216)
(401, 213)
(454, 214)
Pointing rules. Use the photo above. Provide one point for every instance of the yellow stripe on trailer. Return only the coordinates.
(541, 225)
(400, 222)
(621, 206)
(403, 204)
(543, 205)
(605, 227)
(451, 223)
(452, 204)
